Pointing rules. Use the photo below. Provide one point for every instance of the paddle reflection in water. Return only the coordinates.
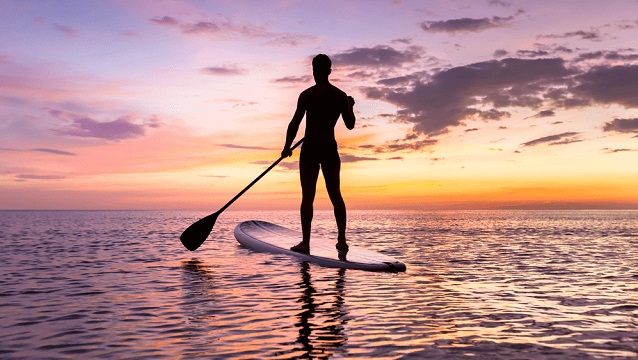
(321, 339)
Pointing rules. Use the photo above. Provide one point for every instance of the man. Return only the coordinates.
(322, 104)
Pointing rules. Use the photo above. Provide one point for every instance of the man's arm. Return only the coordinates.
(348, 114)
(293, 127)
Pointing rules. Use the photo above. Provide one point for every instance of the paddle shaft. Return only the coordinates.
(258, 178)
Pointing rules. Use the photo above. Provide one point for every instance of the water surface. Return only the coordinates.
(479, 284)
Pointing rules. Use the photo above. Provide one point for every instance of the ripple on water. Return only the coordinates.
(490, 284)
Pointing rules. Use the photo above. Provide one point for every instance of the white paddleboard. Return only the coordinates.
(267, 237)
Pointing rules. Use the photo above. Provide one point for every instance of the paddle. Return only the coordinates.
(197, 233)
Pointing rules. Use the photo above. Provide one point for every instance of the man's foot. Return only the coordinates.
(342, 246)
(301, 248)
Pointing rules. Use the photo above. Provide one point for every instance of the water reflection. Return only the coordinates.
(321, 329)
(198, 277)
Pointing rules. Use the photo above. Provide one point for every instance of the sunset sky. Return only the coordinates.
(460, 104)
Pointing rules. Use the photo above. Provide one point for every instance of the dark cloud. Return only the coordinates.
(607, 55)
(115, 130)
(380, 55)
(617, 56)
(558, 139)
(532, 53)
(434, 103)
(544, 113)
(223, 70)
(233, 146)
(622, 125)
(593, 35)
(472, 129)
(226, 29)
(500, 53)
(466, 24)
(609, 85)
(452, 95)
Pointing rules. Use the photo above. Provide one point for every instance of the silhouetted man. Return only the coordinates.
(322, 104)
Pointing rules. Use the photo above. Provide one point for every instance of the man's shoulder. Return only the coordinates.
(337, 90)
(308, 90)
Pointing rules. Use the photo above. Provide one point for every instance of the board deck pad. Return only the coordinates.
(267, 237)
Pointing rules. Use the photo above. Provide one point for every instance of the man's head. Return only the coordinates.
(321, 65)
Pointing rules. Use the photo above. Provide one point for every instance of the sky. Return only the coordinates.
(460, 104)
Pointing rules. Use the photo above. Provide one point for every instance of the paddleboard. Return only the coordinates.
(267, 237)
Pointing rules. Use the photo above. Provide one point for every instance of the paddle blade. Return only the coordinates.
(197, 233)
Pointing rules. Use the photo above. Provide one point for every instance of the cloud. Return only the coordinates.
(233, 146)
(67, 30)
(542, 114)
(282, 166)
(609, 85)
(115, 130)
(225, 29)
(466, 24)
(23, 177)
(54, 151)
(348, 158)
(293, 79)
(410, 143)
(380, 55)
(558, 139)
(622, 125)
(223, 71)
(500, 53)
(532, 53)
(593, 35)
(500, 3)
(607, 55)
(436, 102)
(613, 151)
(452, 95)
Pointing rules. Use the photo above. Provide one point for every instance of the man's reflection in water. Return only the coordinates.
(198, 278)
(321, 337)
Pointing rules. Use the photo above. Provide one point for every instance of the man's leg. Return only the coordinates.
(333, 185)
(308, 174)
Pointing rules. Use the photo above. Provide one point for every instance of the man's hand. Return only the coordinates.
(351, 101)
(286, 152)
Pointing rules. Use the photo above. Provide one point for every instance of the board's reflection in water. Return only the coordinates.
(321, 328)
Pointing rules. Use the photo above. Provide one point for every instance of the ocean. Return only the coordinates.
(478, 285)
